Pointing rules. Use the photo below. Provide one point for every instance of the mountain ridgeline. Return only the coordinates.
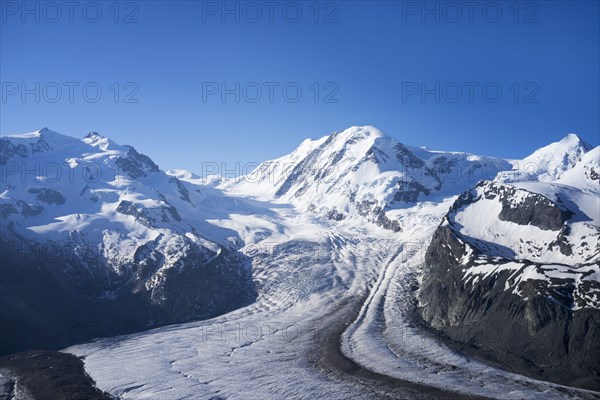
(363, 172)
(511, 273)
(99, 241)
(513, 270)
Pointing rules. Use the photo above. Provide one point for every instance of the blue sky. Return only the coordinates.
(389, 64)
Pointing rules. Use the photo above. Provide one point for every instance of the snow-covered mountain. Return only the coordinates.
(548, 163)
(363, 172)
(586, 173)
(95, 232)
(514, 267)
(99, 223)
(523, 235)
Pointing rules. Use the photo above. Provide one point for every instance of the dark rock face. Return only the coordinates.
(48, 375)
(136, 165)
(375, 155)
(376, 215)
(149, 217)
(6, 210)
(534, 209)
(382, 220)
(46, 301)
(335, 215)
(563, 242)
(128, 208)
(28, 210)
(48, 196)
(185, 194)
(307, 167)
(407, 158)
(546, 329)
(9, 150)
(409, 192)
(537, 337)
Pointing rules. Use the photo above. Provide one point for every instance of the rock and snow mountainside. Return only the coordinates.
(548, 163)
(514, 268)
(95, 232)
(518, 250)
(517, 253)
(362, 172)
(97, 240)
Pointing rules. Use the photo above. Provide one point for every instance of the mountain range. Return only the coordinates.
(97, 240)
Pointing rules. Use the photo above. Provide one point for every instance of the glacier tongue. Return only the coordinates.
(306, 286)
(322, 247)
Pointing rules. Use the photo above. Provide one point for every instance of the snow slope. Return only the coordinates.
(303, 276)
(363, 173)
(104, 226)
(341, 223)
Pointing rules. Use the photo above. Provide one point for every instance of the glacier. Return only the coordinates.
(336, 234)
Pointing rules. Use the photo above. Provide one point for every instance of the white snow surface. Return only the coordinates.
(260, 351)
(362, 166)
(550, 162)
(303, 262)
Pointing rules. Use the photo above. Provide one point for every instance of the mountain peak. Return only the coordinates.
(356, 142)
(93, 135)
(32, 135)
(571, 143)
(102, 142)
(553, 160)
(357, 132)
(43, 134)
(573, 140)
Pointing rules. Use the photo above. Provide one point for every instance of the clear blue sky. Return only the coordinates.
(376, 55)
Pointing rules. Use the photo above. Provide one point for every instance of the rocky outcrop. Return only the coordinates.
(135, 165)
(48, 196)
(48, 301)
(9, 150)
(533, 317)
(538, 337)
(47, 375)
(83, 256)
